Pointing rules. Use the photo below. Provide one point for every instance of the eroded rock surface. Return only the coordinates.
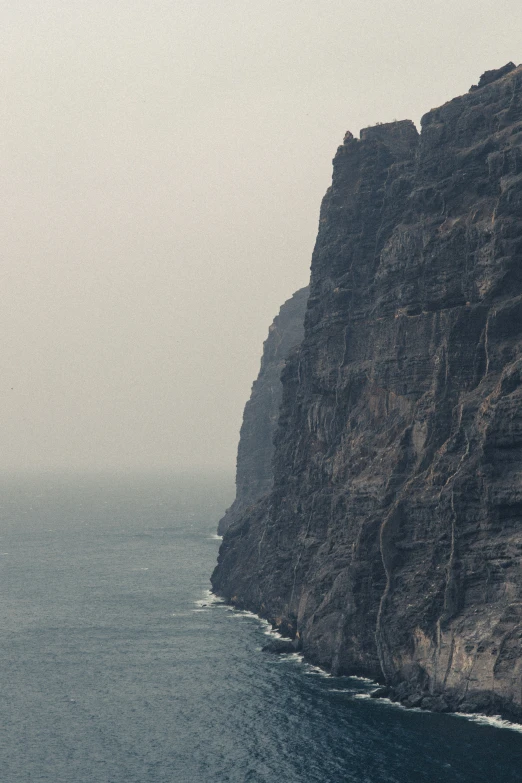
(391, 542)
(254, 475)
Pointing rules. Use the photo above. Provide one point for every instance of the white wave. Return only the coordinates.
(363, 679)
(294, 657)
(388, 702)
(244, 613)
(275, 634)
(311, 669)
(210, 599)
(216, 599)
(272, 632)
(215, 537)
(269, 631)
(490, 720)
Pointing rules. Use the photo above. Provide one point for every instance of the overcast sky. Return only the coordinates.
(163, 164)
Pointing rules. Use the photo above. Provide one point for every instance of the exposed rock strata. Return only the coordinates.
(391, 543)
(254, 475)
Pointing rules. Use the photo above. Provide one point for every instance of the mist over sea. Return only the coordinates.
(118, 666)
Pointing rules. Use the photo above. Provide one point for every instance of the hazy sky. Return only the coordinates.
(163, 164)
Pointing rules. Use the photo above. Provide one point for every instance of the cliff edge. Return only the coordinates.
(390, 544)
(254, 475)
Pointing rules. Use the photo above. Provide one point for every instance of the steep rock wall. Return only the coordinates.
(254, 475)
(391, 543)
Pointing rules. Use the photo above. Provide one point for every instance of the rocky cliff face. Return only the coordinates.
(391, 543)
(254, 475)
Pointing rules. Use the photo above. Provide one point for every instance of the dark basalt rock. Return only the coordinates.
(254, 476)
(391, 540)
(491, 76)
(434, 704)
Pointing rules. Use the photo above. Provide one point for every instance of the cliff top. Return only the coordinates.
(488, 77)
(405, 132)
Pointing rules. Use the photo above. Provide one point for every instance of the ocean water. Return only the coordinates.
(118, 666)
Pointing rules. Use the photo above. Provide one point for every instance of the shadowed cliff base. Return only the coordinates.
(390, 544)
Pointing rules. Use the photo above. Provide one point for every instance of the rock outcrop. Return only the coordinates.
(254, 475)
(391, 542)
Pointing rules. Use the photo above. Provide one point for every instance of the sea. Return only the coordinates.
(118, 665)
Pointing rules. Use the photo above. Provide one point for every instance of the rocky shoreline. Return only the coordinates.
(408, 693)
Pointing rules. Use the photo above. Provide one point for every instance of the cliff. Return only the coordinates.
(254, 475)
(391, 543)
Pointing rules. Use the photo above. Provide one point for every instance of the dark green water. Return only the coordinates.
(117, 667)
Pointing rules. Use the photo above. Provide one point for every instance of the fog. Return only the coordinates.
(163, 165)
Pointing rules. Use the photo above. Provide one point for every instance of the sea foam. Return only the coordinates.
(490, 720)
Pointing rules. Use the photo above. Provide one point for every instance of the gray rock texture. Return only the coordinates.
(391, 542)
(254, 475)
